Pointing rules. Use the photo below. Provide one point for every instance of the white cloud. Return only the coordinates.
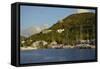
(82, 10)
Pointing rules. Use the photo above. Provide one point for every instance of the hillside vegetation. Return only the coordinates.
(76, 27)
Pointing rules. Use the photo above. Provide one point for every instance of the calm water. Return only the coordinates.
(52, 55)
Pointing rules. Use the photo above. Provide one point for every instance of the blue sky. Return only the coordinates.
(39, 16)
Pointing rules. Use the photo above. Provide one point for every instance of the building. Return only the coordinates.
(60, 30)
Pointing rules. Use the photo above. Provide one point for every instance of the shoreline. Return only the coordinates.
(71, 47)
(27, 48)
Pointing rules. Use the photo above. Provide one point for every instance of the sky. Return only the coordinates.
(36, 16)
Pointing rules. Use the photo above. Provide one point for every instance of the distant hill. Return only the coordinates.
(68, 30)
(32, 30)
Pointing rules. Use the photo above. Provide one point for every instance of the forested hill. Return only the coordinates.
(68, 30)
(74, 20)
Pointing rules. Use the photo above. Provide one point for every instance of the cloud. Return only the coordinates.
(33, 30)
(82, 10)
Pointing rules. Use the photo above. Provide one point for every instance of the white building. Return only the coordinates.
(60, 30)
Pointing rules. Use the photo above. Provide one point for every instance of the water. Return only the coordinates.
(54, 55)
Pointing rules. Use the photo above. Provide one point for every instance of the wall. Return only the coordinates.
(5, 20)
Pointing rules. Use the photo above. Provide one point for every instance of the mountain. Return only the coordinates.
(32, 30)
(79, 26)
(74, 20)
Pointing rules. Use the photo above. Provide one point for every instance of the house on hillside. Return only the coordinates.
(60, 30)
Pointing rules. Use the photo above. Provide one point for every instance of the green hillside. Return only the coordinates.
(75, 20)
(75, 27)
